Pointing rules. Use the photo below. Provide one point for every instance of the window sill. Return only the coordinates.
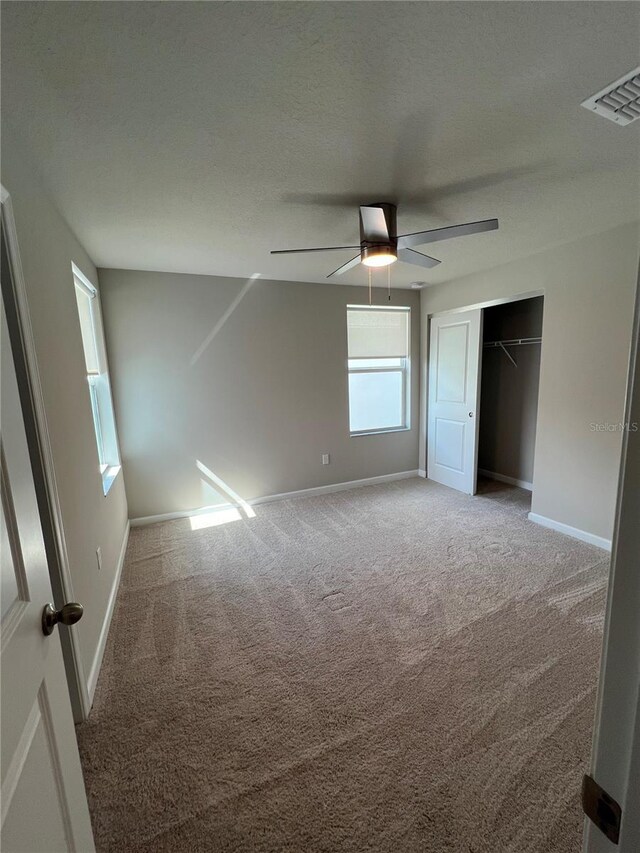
(379, 431)
(108, 478)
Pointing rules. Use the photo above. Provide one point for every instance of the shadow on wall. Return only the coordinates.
(209, 339)
(216, 517)
(211, 483)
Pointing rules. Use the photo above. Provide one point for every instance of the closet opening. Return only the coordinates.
(510, 378)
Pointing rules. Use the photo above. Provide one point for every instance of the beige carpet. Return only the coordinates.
(393, 668)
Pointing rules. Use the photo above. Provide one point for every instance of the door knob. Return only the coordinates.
(67, 615)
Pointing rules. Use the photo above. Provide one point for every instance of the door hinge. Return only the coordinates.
(601, 809)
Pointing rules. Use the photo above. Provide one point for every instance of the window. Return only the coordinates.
(378, 360)
(95, 358)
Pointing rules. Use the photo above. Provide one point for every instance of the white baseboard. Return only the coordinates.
(104, 633)
(422, 473)
(583, 535)
(301, 493)
(502, 478)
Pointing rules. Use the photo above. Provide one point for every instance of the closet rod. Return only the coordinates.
(515, 342)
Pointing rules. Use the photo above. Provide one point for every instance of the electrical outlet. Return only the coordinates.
(325, 458)
(99, 557)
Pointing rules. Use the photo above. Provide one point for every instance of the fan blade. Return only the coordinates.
(321, 249)
(436, 234)
(374, 224)
(410, 256)
(348, 266)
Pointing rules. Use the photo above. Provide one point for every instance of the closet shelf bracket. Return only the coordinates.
(508, 354)
(516, 342)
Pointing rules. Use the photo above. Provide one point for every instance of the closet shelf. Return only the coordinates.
(514, 342)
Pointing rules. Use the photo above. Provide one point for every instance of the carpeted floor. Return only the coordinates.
(392, 668)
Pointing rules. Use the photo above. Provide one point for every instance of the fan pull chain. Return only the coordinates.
(369, 285)
(389, 281)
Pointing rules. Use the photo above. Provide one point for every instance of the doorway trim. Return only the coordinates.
(45, 476)
(489, 303)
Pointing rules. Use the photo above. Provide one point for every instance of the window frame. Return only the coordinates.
(99, 386)
(404, 369)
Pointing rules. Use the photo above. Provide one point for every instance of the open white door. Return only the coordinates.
(454, 387)
(44, 805)
(615, 759)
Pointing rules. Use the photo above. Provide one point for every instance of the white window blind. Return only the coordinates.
(378, 332)
(378, 343)
(84, 300)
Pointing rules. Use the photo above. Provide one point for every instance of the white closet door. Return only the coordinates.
(454, 388)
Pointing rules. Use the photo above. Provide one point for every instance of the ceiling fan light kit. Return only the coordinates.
(378, 256)
(381, 246)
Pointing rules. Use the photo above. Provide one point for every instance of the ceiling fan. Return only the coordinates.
(380, 244)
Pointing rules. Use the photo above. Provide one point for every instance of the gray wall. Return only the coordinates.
(47, 249)
(509, 395)
(247, 378)
(588, 288)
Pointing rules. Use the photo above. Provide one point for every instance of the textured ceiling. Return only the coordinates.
(195, 137)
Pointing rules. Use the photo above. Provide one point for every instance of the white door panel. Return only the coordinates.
(454, 372)
(449, 444)
(9, 593)
(451, 363)
(33, 780)
(44, 806)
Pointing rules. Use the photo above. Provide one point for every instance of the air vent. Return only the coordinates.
(620, 101)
